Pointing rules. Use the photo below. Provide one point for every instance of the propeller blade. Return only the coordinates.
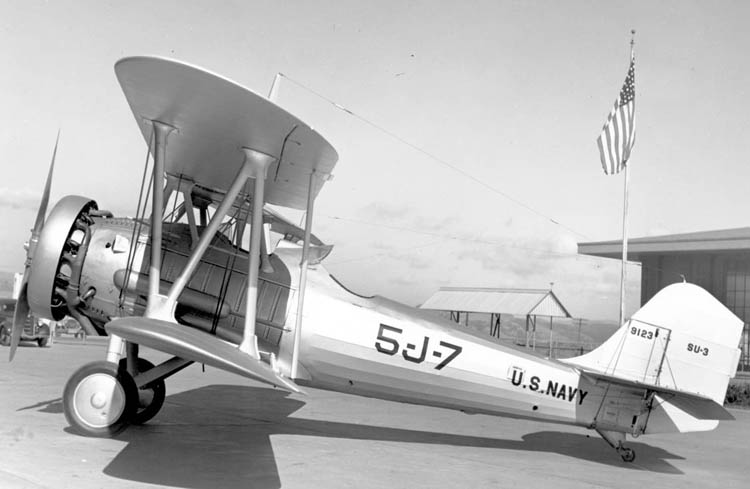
(45, 196)
(19, 319)
(22, 303)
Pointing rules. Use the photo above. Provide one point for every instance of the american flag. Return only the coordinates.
(618, 134)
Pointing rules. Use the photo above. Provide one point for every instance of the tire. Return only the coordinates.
(99, 400)
(150, 398)
(4, 336)
(627, 454)
(42, 342)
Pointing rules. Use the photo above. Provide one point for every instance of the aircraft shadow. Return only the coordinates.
(220, 436)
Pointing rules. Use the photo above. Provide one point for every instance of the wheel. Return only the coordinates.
(4, 336)
(150, 398)
(42, 342)
(99, 400)
(627, 454)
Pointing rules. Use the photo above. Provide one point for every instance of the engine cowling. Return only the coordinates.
(59, 256)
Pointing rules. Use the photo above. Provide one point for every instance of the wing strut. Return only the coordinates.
(303, 274)
(273, 93)
(190, 212)
(257, 163)
(161, 133)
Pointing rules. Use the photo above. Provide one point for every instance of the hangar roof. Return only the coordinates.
(737, 239)
(519, 302)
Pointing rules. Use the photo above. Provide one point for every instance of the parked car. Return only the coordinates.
(33, 329)
(69, 325)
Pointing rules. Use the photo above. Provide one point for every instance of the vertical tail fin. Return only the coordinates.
(682, 339)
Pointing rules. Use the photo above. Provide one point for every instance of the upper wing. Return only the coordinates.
(215, 117)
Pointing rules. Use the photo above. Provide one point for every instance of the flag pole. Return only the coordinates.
(623, 274)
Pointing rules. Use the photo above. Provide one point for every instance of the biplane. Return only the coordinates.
(216, 276)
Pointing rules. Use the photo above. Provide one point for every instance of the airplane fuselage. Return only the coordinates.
(379, 348)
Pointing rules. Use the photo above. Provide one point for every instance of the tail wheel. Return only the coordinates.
(99, 400)
(150, 397)
(627, 454)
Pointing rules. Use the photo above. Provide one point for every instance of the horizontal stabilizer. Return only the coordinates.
(701, 408)
(697, 406)
(197, 346)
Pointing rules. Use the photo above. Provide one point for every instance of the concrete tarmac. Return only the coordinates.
(217, 430)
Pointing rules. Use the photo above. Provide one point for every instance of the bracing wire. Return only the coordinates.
(387, 253)
(446, 237)
(433, 157)
(462, 172)
(231, 260)
(138, 225)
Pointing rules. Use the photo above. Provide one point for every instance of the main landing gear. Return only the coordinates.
(99, 399)
(102, 398)
(616, 440)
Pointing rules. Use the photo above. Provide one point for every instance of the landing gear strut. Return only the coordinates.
(615, 439)
(150, 397)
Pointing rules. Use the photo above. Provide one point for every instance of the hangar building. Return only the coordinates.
(718, 261)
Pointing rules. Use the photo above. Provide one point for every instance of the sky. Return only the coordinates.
(471, 159)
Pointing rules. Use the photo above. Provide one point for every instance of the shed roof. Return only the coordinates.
(499, 301)
(737, 239)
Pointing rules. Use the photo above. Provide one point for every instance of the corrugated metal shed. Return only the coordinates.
(518, 302)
